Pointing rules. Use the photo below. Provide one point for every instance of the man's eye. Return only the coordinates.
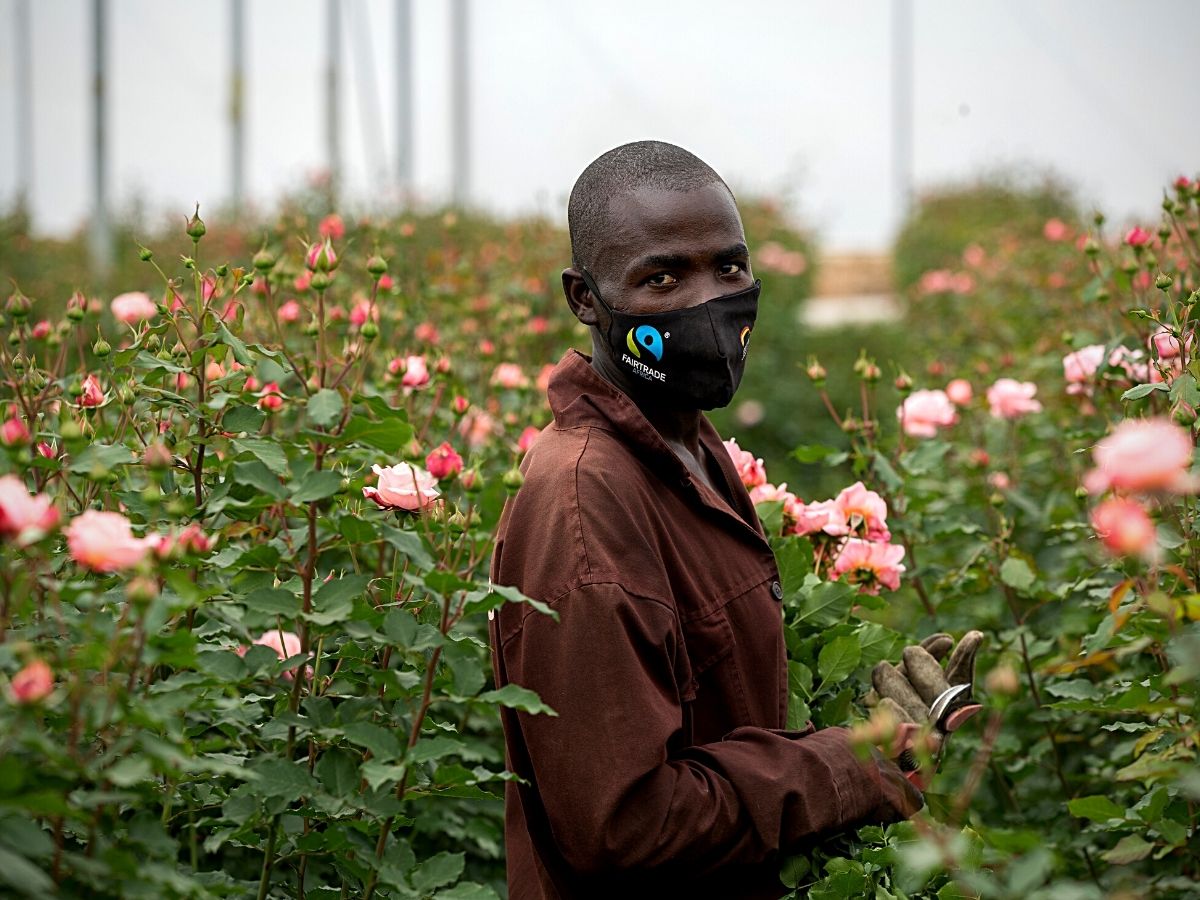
(662, 279)
(730, 269)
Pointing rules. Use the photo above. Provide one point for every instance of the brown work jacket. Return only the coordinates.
(667, 771)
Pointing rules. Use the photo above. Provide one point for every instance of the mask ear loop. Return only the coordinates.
(591, 286)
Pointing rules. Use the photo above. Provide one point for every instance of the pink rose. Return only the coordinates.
(32, 683)
(749, 469)
(41, 330)
(14, 433)
(104, 542)
(974, 256)
(364, 309)
(1124, 527)
(24, 517)
(270, 397)
(528, 438)
(133, 307)
(443, 461)
(302, 281)
(477, 426)
(1143, 455)
(321, 257)
(1132, 362)
(864, 511)
(960, 392)
(332, 227)
(93, 394)
(1168, 345)
(509, 375)
(289, 311)
(870, 565)
(1138, 237)
(426, 333)
(1055, 230)
(403, 486)
(285, 644)
(923, 412)
(416, 373)
(823, 517)
(1011, 399)
(1079, 368)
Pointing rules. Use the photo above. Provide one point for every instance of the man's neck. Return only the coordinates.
(680, 428)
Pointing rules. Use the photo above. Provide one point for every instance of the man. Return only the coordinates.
(667, 771)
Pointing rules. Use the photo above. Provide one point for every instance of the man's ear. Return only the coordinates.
(579, 297)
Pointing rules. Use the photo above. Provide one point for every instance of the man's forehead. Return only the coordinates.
(647, 220)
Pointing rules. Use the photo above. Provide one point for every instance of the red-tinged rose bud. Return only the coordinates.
(141, 590)
(376, 265)
(369, 330)
(47, 450)
(41, 330)
(460, 405)
(1163, 281)
(443, 365)
(471, 481)
(18, 306)
(904, 383)
(321, 257)
(815, 371)
(513, 479)
(156, 456)
(195, 226)
(14, 433)
(412, 450)
(101, 348)
(320, 281)
(77, 306)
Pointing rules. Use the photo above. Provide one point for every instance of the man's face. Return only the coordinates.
(669, 250)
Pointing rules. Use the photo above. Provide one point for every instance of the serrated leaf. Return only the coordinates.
(383, 744)
(389, 435)
(1015, 572)
(434, 748)
(467, 890)
(337, 771)
(103, 456)
(256, 475)
(1130, 848)
(824, 602)
(282, 779)
(234, 343)
(243, 418)
(324, 407)
(438, 870)
(1138, 391)
(1098, 808)
(838, 658)
(516, 697)
(317, 485)
(269, 453)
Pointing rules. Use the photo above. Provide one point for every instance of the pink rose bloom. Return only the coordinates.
(332, 227)
(923, 412)
(93, 394)
(427, 333)
(1168, 346)
(1055, 230)
(864, 511)
(960, 392)
(13, 432)
(285, 644)
(289, 311)
(302, 281)
(823, 517)
(1138, 237)
(416, 373)
(1011, 399)
(24, 517)
(104, 542)
(870, 565)
(1124, 527)
(443, 461)
(363, 310)
(1132, 362)
(974, 256)
(402, 486)
(32, 683)
(528, 438)
(509, 375)
(41, 329)
(477, 426)
(133, 307)
(1079, 368)
(1143, 455)
(766, 493)
(999, 480)
(750, 470)
(385, 282)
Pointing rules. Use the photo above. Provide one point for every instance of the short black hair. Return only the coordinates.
(626, 168)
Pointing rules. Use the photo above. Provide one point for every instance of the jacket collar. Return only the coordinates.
(580, 397)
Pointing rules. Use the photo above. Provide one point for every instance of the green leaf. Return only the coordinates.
(273, 601)
(337, 771)
(383, 744)
(516, 697)
(1015, 572)
(434, 748)
(794, 557)
(408, 544)
(259, 477)
(838, 658)
(925, 458)
(825, 602)
(269, 453)
(1098, 808)
(1184, 389)
(813, 453)
(324, 408)
(440, 869)
(317, 485)
(19, 873)
(102, 456)
(280, 778)
(129, 770)
(234, 343)
(467, 890)
(1138, 391)
(389, 435)
(1130, 848)
(243, 418)
(340, 589)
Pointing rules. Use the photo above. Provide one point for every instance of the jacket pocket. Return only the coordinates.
(715, 696)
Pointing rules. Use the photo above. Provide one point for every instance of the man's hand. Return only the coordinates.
(920, 693)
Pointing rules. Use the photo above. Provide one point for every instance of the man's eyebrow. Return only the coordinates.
(736, 251)
(676, 260)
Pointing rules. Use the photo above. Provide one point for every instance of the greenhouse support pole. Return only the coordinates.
(404, 125)
(100, 232)
(460, 100)
(237, 103)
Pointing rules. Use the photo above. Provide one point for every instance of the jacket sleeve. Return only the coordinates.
(615, 796)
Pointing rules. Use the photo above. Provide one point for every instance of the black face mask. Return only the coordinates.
(690, 358)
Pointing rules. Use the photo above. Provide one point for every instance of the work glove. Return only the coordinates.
(920, 693)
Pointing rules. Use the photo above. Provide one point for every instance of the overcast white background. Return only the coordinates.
(790, 98)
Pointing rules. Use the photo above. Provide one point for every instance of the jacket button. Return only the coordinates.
(776, 590)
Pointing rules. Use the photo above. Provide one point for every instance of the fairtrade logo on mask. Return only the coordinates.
(745, 339)
(645, 337)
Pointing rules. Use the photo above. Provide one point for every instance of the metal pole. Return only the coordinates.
(101, 229)
(237, 83)
(333, 45)
(902, 107)
(23, 35)
(460, 101)
(404, 130)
